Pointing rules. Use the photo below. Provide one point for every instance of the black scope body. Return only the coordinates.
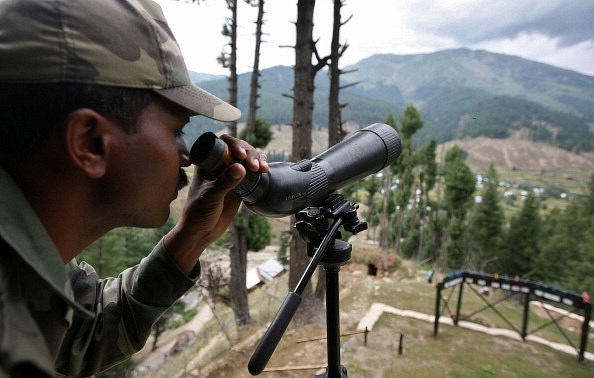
(288, 187)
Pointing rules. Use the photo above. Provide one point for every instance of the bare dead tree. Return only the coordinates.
(229, 59)
(254, 81)
(238, 229)
(311, 309)
(335, 131)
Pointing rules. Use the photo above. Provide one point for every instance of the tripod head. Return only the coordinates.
(314, 222)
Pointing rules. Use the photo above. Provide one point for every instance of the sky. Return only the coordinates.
(555, 32)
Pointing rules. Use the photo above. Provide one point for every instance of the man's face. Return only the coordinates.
(146, 173)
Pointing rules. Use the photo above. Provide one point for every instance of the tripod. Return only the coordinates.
(319, 227)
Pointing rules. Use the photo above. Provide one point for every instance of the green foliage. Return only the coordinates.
(459, 187)
(122, 248)
(283, 248)
(372, 184)
(186, 317)
(459, 181)
(487, 224)
(274, 156)
(410, 243)
(456, 248)
(571, 132)
(523, 238)
(349, 190)
(566, 256)
(410, 122)
(428, 162)
(261, 136)
(581, 278)
(259, 232)
(558, 244)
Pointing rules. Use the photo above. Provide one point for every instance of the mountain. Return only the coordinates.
(197, 77)
(459, 93)
(466, 93)
(419, 77)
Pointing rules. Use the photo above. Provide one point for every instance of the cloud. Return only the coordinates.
(557, 32)
(567, 22)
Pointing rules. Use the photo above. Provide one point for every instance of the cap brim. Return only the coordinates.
(201, 102)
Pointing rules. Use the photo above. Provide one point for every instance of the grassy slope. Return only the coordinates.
(456, 352)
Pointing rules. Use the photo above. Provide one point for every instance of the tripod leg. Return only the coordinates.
(333, 321)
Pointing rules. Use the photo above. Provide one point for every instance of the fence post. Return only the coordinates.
(585, 329)
(365, 337)
(459, 305)
(437, 303)
(526, 314)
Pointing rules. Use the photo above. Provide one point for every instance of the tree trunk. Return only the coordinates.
(250, 126)
(384, 224)
(238, 265)
(303, 88)
(335, 133)
(232, 5)
(239, 292)
(311, 309)
(237, 230)
(399, 232)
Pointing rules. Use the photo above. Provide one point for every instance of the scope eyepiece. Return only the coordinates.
(210, 153)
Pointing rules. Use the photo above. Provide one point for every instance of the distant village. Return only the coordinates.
(513, 190)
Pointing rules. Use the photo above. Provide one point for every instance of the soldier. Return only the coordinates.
(93, 98)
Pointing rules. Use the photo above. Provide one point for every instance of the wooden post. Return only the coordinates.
(365, 337)
(437, 303)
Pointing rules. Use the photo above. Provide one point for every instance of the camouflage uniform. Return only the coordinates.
(49, 312)
(64, 317)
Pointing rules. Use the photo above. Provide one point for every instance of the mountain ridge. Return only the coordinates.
(502, 74)
(459, 93)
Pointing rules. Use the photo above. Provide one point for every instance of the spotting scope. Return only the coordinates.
(288, 187)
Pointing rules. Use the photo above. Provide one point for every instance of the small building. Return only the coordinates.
(263, 273)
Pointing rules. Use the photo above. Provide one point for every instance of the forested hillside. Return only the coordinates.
(498, 204)
(459, 93)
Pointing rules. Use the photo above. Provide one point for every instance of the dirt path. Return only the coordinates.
(147, 360)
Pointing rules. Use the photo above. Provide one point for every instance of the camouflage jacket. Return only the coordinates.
(64, 318)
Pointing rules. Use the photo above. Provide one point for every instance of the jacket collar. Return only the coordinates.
(22, 230)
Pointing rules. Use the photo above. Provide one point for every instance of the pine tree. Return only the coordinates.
(558, 244)
(487, 224)
(387, 181)
(523, 239)
(460, 184)
(404, 168)
(427, 178)
(566, 257)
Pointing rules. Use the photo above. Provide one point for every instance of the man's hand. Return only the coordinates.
(211, 205)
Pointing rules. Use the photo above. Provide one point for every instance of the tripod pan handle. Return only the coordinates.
(274, 333)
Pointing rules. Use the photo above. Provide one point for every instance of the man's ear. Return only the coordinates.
(86, 140)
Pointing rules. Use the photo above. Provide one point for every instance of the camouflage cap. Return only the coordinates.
(121, 43)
